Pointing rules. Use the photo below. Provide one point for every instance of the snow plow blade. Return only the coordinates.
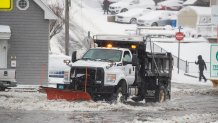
(69, 95)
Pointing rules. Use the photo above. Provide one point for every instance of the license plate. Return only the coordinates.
(61, 87)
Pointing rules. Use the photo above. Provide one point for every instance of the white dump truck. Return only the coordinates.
(119, 67)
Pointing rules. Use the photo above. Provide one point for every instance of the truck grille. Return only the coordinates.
(95, 75)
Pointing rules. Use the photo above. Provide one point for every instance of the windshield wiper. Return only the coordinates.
(105, 60)
(88, 59)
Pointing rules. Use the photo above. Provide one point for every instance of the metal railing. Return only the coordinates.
(186, 66)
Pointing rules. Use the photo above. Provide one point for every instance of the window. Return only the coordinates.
(127, 57)
(22, 4)
(103, 54)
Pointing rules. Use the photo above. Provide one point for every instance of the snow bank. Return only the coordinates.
(187, 118)
(38, 101)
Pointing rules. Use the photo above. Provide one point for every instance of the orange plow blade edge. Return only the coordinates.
(69, 95)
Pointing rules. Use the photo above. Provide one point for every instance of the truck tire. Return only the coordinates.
(161, 94)
(120, 95)
(2, 88)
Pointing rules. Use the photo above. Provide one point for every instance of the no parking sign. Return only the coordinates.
(214, 61)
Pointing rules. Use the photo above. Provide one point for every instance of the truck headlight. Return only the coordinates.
(66, 75)
(111, 77)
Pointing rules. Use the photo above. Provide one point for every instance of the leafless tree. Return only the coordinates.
(56, 25)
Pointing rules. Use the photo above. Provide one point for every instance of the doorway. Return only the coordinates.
(3, 53)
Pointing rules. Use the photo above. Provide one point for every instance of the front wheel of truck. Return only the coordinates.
(120, 94)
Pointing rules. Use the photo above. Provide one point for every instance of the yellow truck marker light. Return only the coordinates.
(133, 46)
(109, 46)
(6, 5)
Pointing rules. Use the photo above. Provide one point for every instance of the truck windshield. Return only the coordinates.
(103, 54)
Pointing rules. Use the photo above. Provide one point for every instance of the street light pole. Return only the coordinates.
(67, 27)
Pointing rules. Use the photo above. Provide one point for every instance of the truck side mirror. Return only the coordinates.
(73, 59)
(134, 60)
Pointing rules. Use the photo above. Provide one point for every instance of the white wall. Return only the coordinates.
(3, 54)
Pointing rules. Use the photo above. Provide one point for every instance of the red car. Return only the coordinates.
(175, 5)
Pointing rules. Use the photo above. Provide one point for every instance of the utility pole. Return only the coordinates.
(67, 27)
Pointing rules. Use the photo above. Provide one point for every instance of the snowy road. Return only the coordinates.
(189, 103)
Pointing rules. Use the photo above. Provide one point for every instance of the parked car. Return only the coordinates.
(175, 5)
(110, 1)
(131, 15)
(157, 18)
(125, 5)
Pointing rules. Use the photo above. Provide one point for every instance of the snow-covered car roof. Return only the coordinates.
(133, 12)
(121, 3)
(155, 14)
(169, 2)
(127, 2)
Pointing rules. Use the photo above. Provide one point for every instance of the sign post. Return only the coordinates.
(214, 61)
(179, 37)
(214, 64)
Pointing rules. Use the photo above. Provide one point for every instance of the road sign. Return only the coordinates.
(179, 36)
(214, 61)
(6, 5)
(214, 15)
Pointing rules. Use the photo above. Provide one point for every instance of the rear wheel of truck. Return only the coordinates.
(161, 95)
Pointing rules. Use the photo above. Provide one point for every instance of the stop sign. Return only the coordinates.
(179, 36)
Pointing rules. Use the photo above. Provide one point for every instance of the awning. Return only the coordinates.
(5, 32)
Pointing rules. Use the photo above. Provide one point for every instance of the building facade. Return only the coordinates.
(28, 46)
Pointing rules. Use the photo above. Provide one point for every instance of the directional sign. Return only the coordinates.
(179, 36)
(214, 61)
(6, 5)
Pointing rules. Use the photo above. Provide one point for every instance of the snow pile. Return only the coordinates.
(181, 78)
(187, 118)
(38, 101)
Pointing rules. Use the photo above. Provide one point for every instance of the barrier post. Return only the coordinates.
(42, 74)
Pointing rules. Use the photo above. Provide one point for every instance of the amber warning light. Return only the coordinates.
(6, 5)
(133, 46)
(109, 46)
